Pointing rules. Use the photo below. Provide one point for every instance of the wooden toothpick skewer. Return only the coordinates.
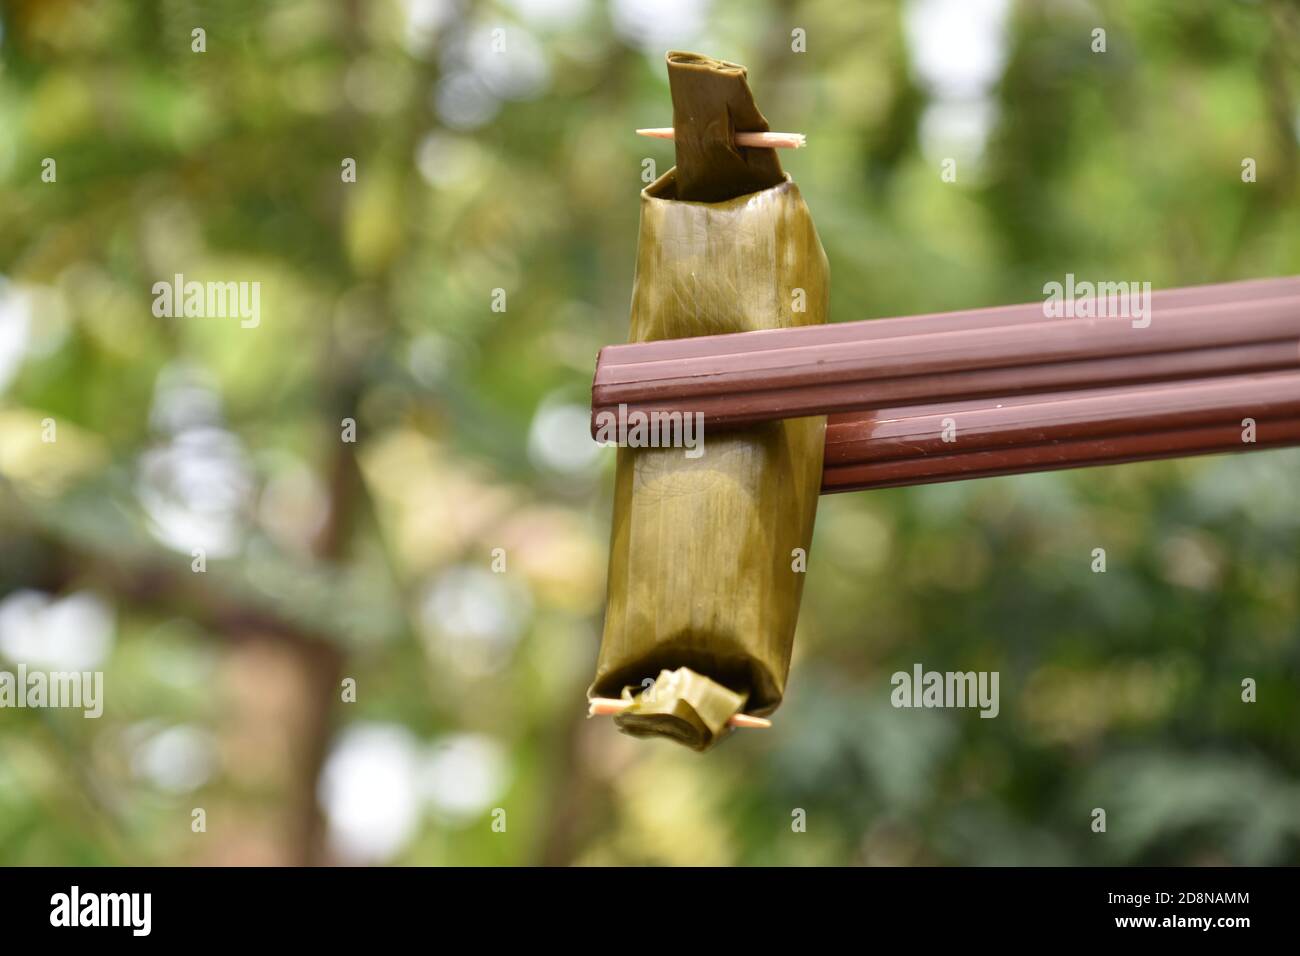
(766, 140)
(607, 706)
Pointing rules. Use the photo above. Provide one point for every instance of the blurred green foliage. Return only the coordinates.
(517, 170)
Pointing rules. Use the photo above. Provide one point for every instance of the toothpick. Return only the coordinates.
(765, 140)
(607, 706)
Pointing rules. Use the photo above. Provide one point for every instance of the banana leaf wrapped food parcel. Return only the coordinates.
(704, 572)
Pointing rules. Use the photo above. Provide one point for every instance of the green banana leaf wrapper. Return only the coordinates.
(703, 594)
